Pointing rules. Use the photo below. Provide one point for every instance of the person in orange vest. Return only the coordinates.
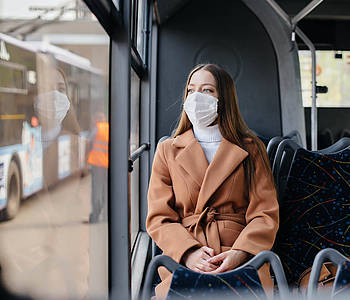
(98, 159)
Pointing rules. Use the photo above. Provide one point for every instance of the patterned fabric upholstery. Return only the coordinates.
(315, 210)
(237, 284)
(342, 282)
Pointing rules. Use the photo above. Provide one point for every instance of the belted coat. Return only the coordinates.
(192, 203)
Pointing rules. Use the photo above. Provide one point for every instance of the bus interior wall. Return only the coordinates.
(205, 33)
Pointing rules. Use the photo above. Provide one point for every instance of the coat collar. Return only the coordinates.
(192, 157)
(208, 176)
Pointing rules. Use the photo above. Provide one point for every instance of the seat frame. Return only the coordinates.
(256, 262)
(326, 254)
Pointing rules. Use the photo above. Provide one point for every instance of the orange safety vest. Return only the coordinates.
(98, 155)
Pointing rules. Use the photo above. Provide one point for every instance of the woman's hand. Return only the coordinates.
(228, 260)
(197, 260)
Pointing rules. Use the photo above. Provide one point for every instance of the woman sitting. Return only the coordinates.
(211, 202)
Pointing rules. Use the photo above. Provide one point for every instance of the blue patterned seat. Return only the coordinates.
(241, 283)
(314, 209)
(341, 287)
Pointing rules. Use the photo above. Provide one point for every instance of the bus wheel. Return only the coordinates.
(13, 192)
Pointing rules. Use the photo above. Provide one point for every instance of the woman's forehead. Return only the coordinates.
(202, 77)
(59, 76)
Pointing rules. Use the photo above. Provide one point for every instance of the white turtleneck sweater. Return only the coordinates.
(209, 138)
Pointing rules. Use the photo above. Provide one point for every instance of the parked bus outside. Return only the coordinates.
(47, 96)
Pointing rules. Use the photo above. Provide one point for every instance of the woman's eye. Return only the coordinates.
(208, 91)
(189, 91)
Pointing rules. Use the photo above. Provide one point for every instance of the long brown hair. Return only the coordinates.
(231, 124)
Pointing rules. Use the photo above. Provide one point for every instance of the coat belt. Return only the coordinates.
(205, 228)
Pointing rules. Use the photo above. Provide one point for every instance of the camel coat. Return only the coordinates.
(192, 203)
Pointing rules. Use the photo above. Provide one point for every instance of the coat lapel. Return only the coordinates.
(227, 158)
(191, 157)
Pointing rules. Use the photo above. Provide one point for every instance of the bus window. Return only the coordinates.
(141, 25)
(54, 143)
(134, 144)
(12, 78)
(333, 71)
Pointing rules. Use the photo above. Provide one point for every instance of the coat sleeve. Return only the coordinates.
(163, 221)
(262, 213)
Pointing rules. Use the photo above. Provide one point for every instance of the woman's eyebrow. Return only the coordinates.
(207, 83)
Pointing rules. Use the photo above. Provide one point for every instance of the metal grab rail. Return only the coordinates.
(292, 23)
(136, 154)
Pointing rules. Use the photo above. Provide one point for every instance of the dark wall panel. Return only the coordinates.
(229, 34)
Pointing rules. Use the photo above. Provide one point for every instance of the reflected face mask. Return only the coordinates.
(53, 105)
(201, 109)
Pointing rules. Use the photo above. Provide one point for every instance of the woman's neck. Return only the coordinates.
(207, 134)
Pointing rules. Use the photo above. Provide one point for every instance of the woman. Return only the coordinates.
(54, 109)
(56, 115)
(211, 202)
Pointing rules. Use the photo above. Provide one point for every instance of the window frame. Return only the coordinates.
(16, 67)
(140, 64)
(117, 23)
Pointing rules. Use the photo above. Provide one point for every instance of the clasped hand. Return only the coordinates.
(203, 260)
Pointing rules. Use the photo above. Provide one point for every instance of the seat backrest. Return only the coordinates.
(326, 138)
(275, 141)
(243, 282)
(272, 148)
(338, 146)
(281, 164)
(295, 136)
(341, 286)
(345, 133)
(314, 210)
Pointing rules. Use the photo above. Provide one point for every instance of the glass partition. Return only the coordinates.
(54, 139)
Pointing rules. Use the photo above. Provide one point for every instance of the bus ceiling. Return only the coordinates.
(329, 10)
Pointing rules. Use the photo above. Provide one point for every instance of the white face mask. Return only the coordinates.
(201, 109)
(52, 106)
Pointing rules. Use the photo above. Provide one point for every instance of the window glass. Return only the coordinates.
(12, 78)
(53, 150)
(141, 18)
(134, 144)
(333, 71)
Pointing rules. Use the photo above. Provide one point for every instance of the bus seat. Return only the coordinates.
(314, 209)
(264, 139)
(155, 249)
(274, 142)
(282, 162)
(338, 146)
(326, 138)
(341, 286)
(295, 136)
(345, 133)
(272, 148)
(242, 282)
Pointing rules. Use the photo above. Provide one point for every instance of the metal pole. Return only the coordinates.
(292, 24)
(314, 119)
(305, 11)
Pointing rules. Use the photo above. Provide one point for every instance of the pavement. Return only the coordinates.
(50, 251)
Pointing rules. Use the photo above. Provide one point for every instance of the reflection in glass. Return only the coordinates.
(141, 22)
(52, 103)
